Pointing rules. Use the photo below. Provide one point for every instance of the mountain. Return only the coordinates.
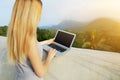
(44, 27)
(68, 24)
(110, 26)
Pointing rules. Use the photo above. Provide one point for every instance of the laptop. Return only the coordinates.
(63, 41)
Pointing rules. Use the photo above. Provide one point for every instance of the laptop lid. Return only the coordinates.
(65, 38)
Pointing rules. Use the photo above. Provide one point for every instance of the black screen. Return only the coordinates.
(64, 38)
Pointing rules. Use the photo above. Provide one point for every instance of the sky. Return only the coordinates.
(56, 11)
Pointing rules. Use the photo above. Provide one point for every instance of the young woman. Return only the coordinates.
(23, 47)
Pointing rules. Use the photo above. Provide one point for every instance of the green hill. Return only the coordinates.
(105, 25)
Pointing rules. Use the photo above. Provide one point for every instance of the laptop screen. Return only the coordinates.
(64, 38)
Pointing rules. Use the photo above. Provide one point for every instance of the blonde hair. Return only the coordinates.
(23, 25)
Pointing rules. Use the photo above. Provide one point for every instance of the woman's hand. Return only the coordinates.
(47, 42)
(51, 54)
(50, 41)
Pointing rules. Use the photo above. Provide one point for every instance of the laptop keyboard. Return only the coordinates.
(58, 48)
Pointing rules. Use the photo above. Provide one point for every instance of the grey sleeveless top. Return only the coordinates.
(24, 71)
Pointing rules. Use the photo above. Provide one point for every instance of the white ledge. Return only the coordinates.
(76, 64)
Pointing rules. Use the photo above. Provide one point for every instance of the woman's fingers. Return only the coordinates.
(52, 53)
(51, 41)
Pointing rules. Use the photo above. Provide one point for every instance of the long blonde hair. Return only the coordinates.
(23, 25)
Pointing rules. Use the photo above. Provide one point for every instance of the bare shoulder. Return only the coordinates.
(32, 47)
(33, 52)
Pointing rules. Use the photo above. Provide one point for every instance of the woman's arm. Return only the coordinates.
(47, 42)
(34, 57)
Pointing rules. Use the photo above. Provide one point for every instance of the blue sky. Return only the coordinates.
(55, 11)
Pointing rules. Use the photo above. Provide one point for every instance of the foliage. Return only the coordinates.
(44, 34)
(3, 30)
(90, 39)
